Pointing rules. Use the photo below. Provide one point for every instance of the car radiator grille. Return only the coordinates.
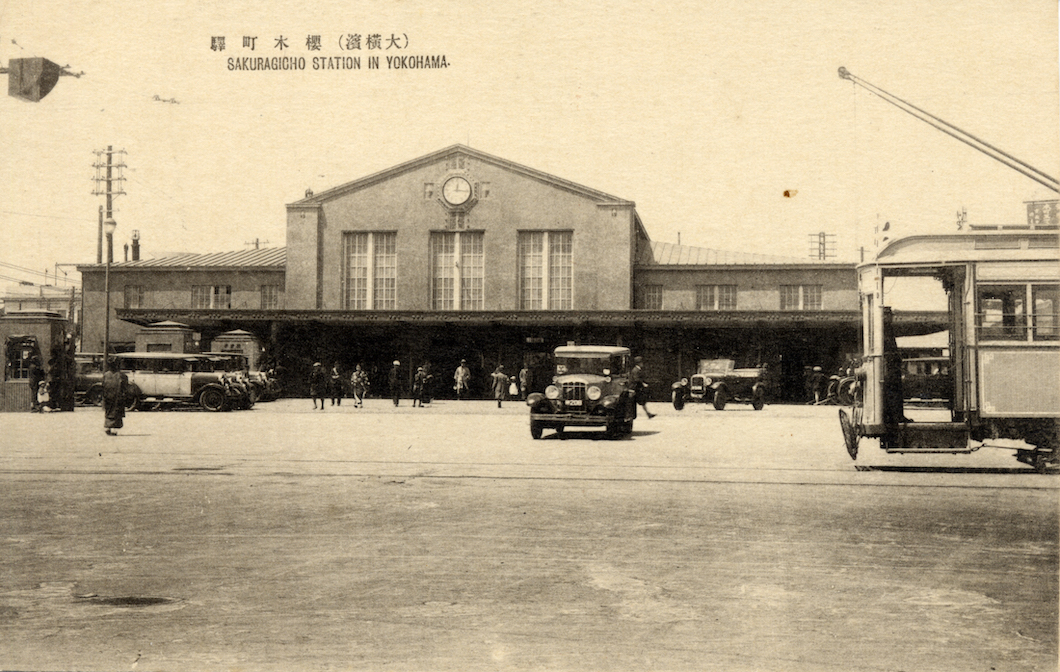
(698, 383)
(574, 392)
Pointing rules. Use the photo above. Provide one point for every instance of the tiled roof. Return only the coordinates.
(668, 254)
(268, 257)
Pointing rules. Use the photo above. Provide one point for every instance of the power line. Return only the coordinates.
(30, 214)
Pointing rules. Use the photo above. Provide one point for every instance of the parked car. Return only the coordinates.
(88, 378)
(927, 379)
(157, 378)
(590, 388)
(719, 381)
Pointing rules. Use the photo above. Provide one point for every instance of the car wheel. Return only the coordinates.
(758, 402)
(212, 400)
(535, 429)
(721, 397)
(94, 396)
(678, 399)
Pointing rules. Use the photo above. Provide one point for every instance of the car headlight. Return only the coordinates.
(593, 393)
(707, 381)
(684, 381)
(552, 392)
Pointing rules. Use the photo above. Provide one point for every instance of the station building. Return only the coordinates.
(463, 255)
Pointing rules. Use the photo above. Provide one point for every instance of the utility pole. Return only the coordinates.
(822, 246)
(110, 182)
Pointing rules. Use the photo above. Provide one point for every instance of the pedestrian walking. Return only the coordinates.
(115, 389)
(418, 383)
(819, 383)
(395, 381)
(524, 382)
(640, 385)
(335, 385)
(500, 384)
(462, 377)
(359, 384)
(318, 384)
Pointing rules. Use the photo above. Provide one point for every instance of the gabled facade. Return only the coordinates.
(460, 230)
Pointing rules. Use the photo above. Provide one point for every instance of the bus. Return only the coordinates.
(1002, 288)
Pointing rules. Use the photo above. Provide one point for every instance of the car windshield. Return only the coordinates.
(599, 365)
(716, 365)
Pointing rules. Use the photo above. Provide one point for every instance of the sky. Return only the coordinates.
(703, 113)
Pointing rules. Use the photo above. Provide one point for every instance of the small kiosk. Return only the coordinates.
(26, 334)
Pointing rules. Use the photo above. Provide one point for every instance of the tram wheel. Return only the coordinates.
(851, 435)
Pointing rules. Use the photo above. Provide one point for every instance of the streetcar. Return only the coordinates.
(1002, 289)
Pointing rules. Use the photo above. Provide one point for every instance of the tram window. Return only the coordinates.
(1002, 312)
(1046, 300)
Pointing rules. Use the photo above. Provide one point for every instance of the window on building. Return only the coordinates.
(211, 297)
(134, 296)
(800, 297)
(457, 270)
(716, 297)
(270, 297)
(428, 191)
(369, 270)
(546, 270)
(651, 297)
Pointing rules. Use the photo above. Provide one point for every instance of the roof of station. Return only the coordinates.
(268, 257)
(669, 254)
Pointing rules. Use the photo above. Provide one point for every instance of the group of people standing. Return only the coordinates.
(333, 385)
(324, 385)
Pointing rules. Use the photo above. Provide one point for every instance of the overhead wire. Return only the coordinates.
(957, 133)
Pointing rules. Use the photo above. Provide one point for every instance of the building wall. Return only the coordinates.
(758, 287)
(602, 237)
(163, 288)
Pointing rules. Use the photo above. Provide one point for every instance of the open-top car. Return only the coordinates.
(590, 388)
(720, 382)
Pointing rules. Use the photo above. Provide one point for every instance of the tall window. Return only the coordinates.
(457, 270)
(800, 297)
(716, 297)
(211, 297)
(369, 271)
(651, 297)
(546, 270)
(270, 297)
(134, 296)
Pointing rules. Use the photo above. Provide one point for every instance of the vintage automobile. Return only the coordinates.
(164, 378)
(88, 380)
(720, 382)
(927, 379)
(590, 388)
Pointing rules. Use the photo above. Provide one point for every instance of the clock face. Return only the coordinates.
(456, 190)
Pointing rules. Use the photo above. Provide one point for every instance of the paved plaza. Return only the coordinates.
(445, 538)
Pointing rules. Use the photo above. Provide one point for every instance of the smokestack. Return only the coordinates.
(136, 245)
(126, 251)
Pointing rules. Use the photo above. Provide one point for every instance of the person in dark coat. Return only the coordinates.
(115, 389)
(395, 381)
(335, 386)
(639, 385)
(36, 376)
(318, 385)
